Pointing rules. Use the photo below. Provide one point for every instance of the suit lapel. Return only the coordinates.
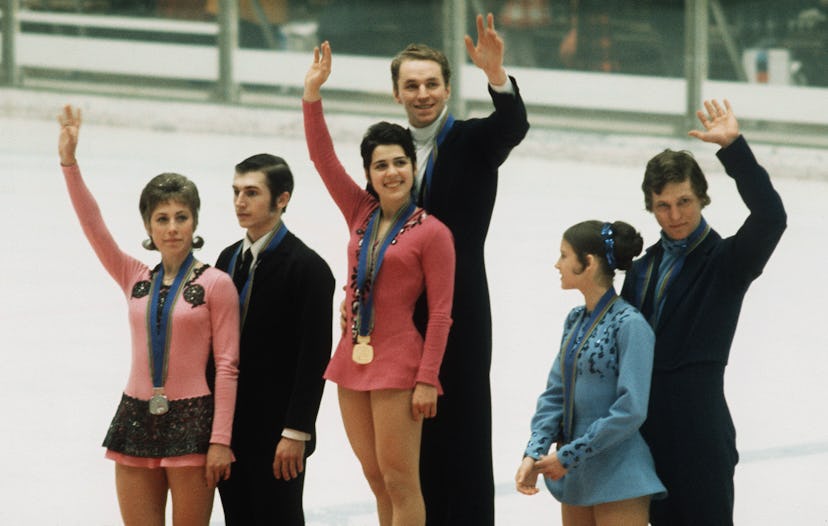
(270, 263)
(694, 264)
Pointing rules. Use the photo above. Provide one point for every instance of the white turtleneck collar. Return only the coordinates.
(424, 144)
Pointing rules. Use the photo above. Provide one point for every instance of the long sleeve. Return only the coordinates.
(347, 195)
(314, 344)
(757, 238)
(438, 261)
(546, 422)
(121, 266)
(635, 343)
(224, 323)
(507, 125)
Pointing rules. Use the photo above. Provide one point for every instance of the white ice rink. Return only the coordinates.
(63, 323)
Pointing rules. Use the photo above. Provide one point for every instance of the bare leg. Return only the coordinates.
(630, 512)
(142, 495)
(577, 515)
(359, 426)
(398, 437)
(192, 498)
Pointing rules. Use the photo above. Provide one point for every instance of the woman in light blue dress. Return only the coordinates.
(595, 400)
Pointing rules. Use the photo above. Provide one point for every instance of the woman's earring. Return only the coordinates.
(148, 244)
(198, 242)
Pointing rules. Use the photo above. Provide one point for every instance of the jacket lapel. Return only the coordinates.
(694, 264)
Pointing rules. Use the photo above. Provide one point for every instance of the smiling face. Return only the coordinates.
(171, 228)
(254, 207)
(677, 209)
(422, 91)
(571, 270)
(391, 173)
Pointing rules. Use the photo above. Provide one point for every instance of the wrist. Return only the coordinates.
(498, 78)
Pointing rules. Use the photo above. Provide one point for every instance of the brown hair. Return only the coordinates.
(419, 52)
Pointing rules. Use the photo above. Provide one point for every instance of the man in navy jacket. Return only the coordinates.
(690, 286)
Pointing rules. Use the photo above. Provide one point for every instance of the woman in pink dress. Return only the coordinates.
(386, 371)
(170, 432)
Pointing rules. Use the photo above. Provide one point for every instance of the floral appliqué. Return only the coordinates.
(193, 292)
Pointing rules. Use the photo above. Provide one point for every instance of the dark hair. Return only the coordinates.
(420, 52)
(624, 242)
(385, 133)
(277, 173)
(673, 167)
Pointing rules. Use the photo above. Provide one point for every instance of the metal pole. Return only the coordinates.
(11, 28)
(228, 43)
(454, 29)
(696, 52)
(730, 43)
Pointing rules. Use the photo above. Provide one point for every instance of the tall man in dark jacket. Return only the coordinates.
(286, 294)
(457, 182)
(690, 286)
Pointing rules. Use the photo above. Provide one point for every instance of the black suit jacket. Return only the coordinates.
(285, 347)
(462, 196)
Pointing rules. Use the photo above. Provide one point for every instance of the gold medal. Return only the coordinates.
(363, 351)
(158, 404)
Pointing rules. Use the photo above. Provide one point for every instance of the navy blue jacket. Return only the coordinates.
(702, 306)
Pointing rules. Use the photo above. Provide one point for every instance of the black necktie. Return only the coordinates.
(242, 269)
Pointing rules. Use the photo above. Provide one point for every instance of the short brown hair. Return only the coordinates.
(169, 187)
(420, 52)
(673, 167)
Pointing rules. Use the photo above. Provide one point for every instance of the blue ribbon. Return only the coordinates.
(608, 236)
(366, 299)
(572, 349)
(432, 159)
(277, 235)
(161, 331)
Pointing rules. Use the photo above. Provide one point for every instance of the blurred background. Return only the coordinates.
(595, 64)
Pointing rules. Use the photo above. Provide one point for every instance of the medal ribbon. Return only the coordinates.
(160, 333)
(425, 190)
(666, 279)
(369, 240)
(572, 349)
(276, 236)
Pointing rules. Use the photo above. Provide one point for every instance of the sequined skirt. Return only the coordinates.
(185, 429)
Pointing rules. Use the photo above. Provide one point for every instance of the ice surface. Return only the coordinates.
(64, 330)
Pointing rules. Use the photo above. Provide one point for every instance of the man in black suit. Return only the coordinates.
(457, 182)
(286, 293)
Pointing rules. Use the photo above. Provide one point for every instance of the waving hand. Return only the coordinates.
(720, 125)
(488, 53)
(70, 122)
(318, 72)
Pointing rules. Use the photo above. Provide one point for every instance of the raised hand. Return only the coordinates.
(70, 121)
(318, 72)
(720, 125)
(487, 54)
